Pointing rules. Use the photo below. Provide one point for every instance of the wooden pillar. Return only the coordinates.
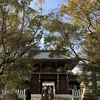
(67, 85)
(39, 85)
(57, 83)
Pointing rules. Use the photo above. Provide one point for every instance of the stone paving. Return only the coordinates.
(56, 97)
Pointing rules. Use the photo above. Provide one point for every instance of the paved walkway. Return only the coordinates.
(56, 97)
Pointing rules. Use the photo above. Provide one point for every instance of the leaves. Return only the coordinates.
(20, 34)
(85, 15)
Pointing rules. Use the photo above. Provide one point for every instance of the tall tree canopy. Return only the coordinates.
(22, 27)
(80, 33)
(20, 35)
(86, 15)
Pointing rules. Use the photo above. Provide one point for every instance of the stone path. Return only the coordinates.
(56, 97)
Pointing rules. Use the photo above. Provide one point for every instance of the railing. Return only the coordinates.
(3, 92)
(21, 93)
(76, 93)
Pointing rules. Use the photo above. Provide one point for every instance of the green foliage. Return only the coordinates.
(60, 70)
(15, 73)
(22, 28)
(86, 16)
(40, 1)
(20, 34)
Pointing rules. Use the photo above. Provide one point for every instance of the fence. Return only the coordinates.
(76, 93)
(21, 93)
(3, 92)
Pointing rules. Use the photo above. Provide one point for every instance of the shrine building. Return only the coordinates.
(55, 71)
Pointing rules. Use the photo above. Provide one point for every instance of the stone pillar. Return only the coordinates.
(57, 83)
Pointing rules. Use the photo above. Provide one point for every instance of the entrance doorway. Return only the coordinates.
(50, 84)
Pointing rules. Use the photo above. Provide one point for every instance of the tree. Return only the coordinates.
(81, 32)
(86, 15)
(20, 35)
(17, 74)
